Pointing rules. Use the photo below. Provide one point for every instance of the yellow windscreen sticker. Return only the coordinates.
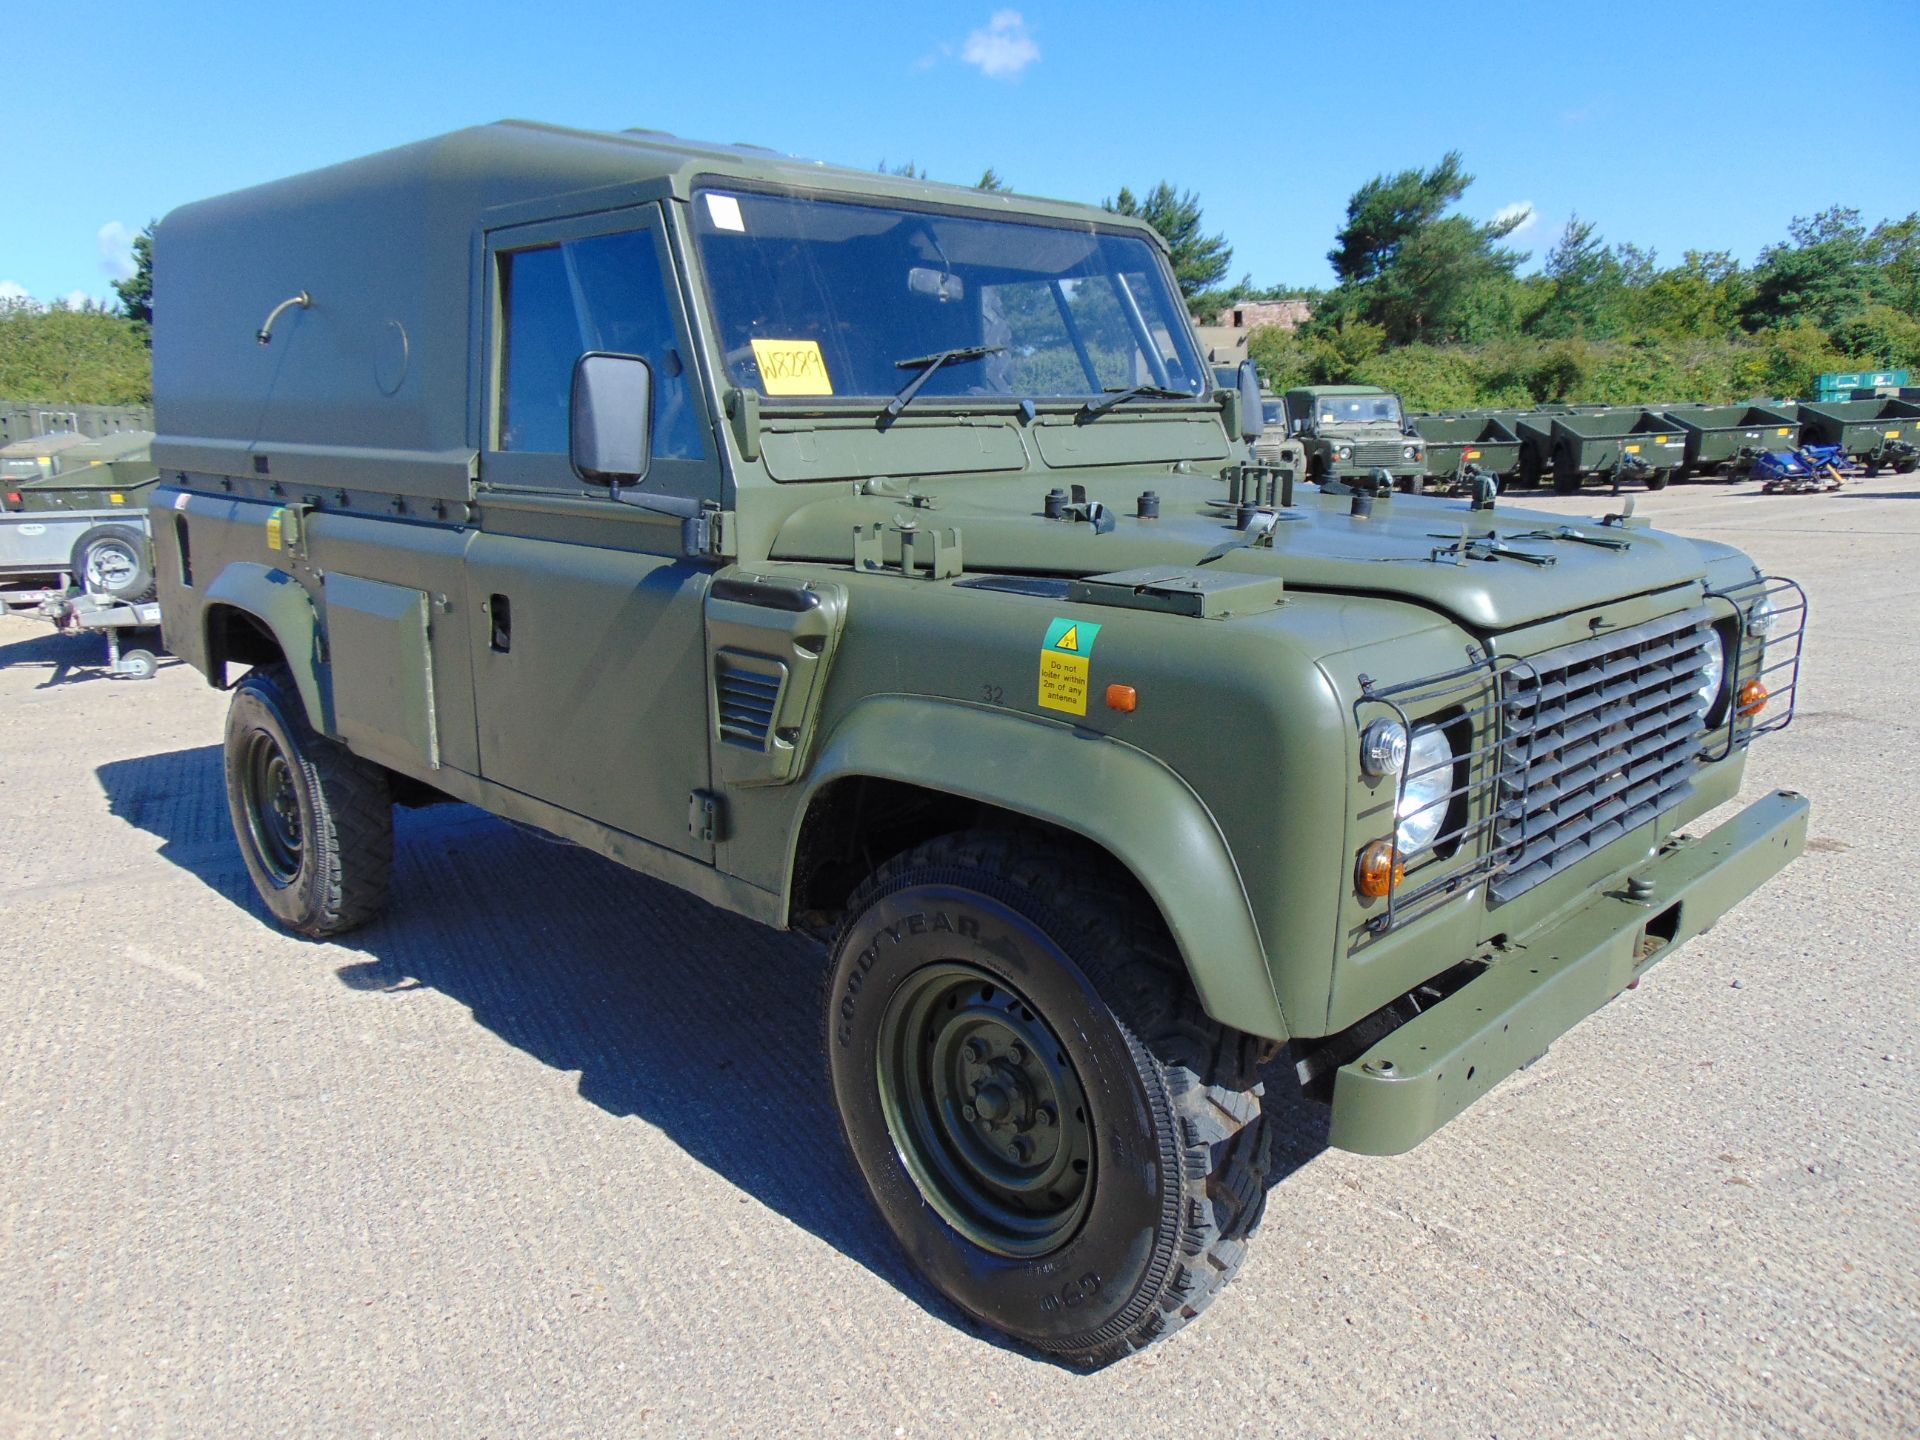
(792, 367)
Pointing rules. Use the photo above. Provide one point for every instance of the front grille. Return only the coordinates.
(1378, 452)
(1601, 736)
(1559, 754)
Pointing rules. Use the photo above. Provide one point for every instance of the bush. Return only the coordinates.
(72, 357)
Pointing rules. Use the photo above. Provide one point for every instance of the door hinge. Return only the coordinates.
(706, 819)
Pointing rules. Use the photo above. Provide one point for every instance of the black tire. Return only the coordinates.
(1566, 473)
(1657, 479)
(112, 560)
(1052, 940)
(314, 820)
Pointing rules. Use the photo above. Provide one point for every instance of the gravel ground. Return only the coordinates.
(548, 1149)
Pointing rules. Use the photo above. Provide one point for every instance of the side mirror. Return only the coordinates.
(1250, 423)
(610, 434)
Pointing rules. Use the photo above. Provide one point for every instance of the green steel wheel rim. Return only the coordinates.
(273, 808)
(985, 1110)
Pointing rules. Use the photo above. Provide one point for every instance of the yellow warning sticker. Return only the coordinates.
(273, 530)
(1631, 449)
(1784, 430)
(1065, 664)
(792, 367)
(1660, 440)
(116, 497)
(1893, 434)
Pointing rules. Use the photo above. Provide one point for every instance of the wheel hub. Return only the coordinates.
(986, 1110)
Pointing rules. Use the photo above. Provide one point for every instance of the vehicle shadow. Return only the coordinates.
(705, 1025)
(73, 658)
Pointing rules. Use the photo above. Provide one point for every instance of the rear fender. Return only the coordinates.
(1117, 797)
(280, 605)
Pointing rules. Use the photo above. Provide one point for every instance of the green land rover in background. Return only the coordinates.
(881, 558)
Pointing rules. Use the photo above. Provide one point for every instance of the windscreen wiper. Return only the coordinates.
(927, 364)
(1094, 409)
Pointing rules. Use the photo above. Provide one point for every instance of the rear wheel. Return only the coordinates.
(314, 820)
(1657, 479)
(1061, 1139)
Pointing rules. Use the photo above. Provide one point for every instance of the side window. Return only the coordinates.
(604, 292)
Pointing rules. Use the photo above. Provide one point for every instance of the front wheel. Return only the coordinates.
(314, 820)
(1657, 479)
(1062, 1141)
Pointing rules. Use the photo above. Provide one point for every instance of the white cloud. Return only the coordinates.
(79, 299)
(1003, 49)
(116, 250)
(13, 292)
(1522, 210)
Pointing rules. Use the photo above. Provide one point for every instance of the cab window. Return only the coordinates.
(559, 301)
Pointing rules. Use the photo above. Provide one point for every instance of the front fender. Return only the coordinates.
(282, 606)
(1118, 797)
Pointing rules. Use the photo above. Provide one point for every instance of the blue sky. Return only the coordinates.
(1674, 125)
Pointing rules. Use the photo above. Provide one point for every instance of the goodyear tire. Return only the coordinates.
(1059, 1137)
(314, 821)
(112, 560)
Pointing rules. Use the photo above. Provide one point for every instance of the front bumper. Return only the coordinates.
(1433, 1067)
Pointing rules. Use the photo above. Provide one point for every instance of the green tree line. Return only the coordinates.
(1430, 303)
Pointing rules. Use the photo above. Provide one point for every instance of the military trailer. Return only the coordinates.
(25, 419)
(871, 557)
(1482, 441)
(1344, 433)
(83, 525)
(1880, 434)
(1613, 446)
(1727, 439)
(37, 456)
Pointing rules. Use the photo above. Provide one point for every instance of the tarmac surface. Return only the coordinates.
(548, 1149)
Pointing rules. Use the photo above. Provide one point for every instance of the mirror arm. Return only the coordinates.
(698, 532)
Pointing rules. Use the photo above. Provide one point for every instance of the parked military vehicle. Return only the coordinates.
(1346, 433)
(1483, 441)
(85, 523)
(871, 556)
(1727, 439)
(1609, 445)
(1880, 434)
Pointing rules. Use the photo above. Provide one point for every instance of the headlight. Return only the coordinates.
(1713, 676)
(1345, 452)
(1407, 452)
(1762, 617)
(1429, 784)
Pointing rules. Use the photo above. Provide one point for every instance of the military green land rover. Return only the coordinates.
(1346, 433)
(881, 559)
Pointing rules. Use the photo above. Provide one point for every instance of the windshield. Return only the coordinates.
(1357, 409)
(827, 298)
(1271, 412)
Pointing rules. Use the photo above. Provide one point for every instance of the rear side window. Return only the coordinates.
(605, 292)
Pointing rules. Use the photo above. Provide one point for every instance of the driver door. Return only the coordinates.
(589, 656)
